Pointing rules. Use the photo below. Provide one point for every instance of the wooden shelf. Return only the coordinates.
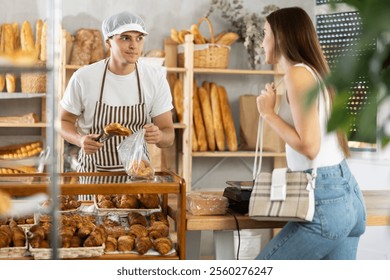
(235, 154)
(17, 95)
(40, 124)
(236, 71)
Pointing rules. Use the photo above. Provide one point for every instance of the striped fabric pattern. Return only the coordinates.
(297, 206)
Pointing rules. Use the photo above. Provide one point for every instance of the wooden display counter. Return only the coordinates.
(378, 214)
(72, 183)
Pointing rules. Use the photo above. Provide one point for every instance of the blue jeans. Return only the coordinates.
(339, 221)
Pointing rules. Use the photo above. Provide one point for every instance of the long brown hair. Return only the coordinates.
(296, 39)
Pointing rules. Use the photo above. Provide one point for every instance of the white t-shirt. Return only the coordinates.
(330, 151)
(83, 91)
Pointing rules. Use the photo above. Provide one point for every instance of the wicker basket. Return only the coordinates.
(207, 55)
(33, 82)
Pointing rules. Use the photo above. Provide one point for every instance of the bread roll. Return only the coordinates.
(217, 117)
(10, 82)
(227, 119)
(43, 52)
(178, 99)
(27, 38)
(198, 122)
(207, 117)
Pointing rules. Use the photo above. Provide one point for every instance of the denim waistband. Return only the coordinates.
(338, 170)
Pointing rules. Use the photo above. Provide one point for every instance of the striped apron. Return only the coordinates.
(107, 159)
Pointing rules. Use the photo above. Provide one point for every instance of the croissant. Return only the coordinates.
(75, 242)
(143, 244)
(159, 229)
(163, 245)
(96, 238)
(106, 204)
(158, 217)
(85, 229)
(149, 201)
(111, 244)
(38, 231)
(136, 218)
(5, 236)
(18, 236)
(115, 231)
(138, 231)
(66, 234)
(128, 201)
(125, 243)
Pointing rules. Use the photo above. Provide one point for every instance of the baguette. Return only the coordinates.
(227, 39)
(8, 39)
(194, 140)
(38, 35)
(217, 117)
(178, 99)
(227, 119)
(2, 82)
(198, 38)
(15, 28)
(26, 38)
(198, 122)
(207, 117)
(42, 54)
(175, 36)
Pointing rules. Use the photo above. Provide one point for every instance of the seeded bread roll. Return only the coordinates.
(228, 122)
(207, 117)
(217, 117)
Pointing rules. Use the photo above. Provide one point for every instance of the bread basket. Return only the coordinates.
(207, 55)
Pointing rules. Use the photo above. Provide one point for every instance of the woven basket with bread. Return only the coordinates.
(212, 53)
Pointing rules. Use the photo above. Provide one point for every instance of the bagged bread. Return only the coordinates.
(203, 203)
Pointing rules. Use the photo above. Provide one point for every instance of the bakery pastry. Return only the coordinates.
(163, 245)
(117, 129)
(158, 217)
(136, 218)
(111, 244)
(128, 201)
(140, 169)
(142, 245)
(227, 119)
(138, 230)
(207, 117)
(217, 117)
(5, 202)
(125, 243)
(157, 230)
(198, 122)
(10, 83)
(149, 201)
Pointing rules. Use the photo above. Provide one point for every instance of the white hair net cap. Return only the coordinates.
(122, 22)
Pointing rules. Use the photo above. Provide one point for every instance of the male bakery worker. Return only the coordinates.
(119, 89)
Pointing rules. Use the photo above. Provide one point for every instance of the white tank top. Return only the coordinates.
(330, 151)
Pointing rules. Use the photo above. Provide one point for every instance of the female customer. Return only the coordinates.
(290, 40)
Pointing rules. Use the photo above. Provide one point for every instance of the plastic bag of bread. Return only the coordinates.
(134, 157)
(203, 204)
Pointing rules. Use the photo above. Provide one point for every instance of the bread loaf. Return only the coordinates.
(217, 117)
(27, 118)
(194, 140)
(97, 52)
(82, 48)
(8, 39)
(207, 117)
(10, 83)
(27, 38)
(5, 202)
(227, 38)
(227, 118)
(199, 203)
(198, 122)
(15, 27)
